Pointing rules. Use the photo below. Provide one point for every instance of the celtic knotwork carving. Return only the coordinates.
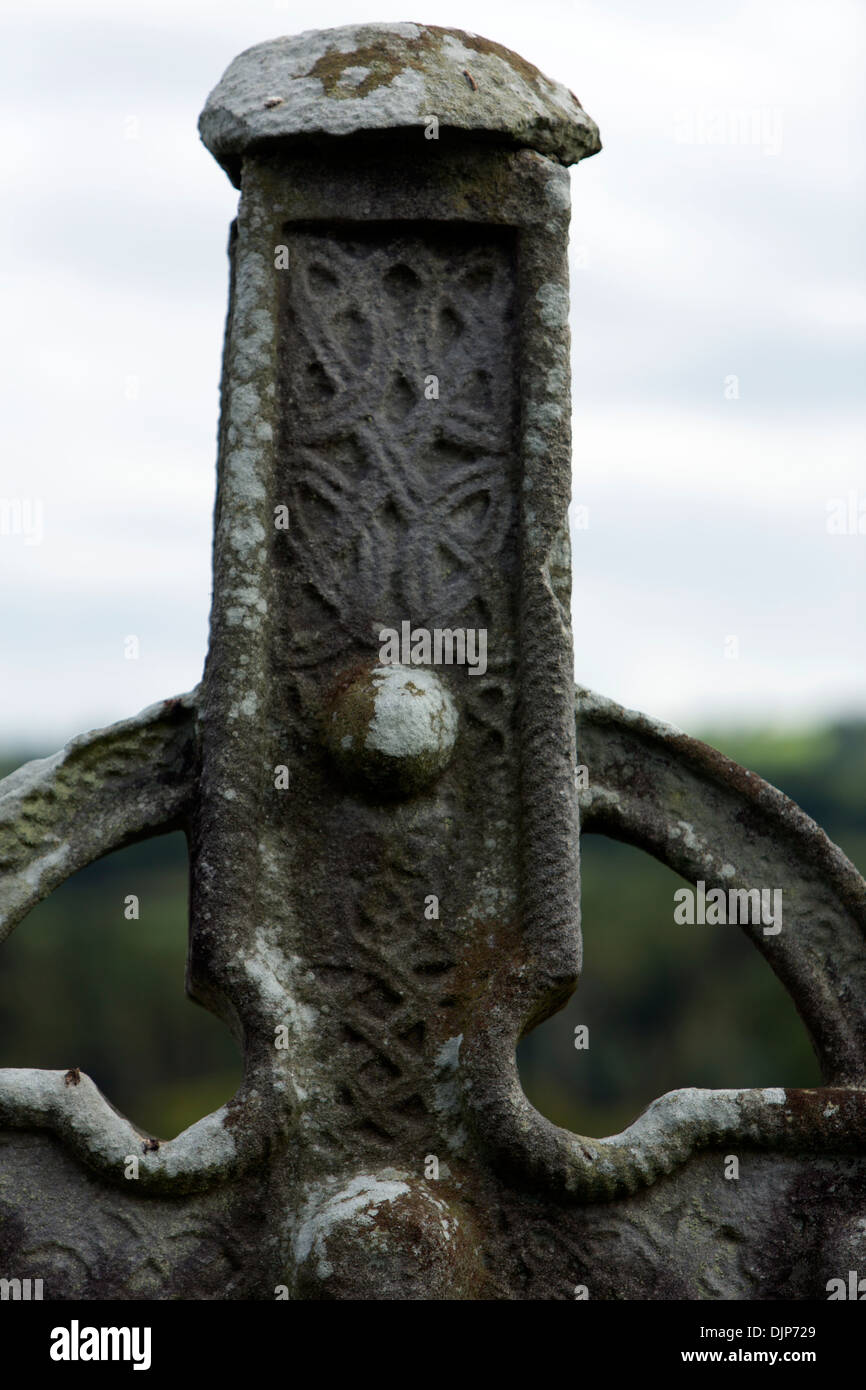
(399, 431)
(385, 1004)
(398, 461)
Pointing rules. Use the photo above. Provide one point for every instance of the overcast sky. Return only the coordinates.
(718, 319)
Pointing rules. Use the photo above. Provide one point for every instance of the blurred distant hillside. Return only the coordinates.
(666, 1006)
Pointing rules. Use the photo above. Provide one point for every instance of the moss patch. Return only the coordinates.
(379, 57)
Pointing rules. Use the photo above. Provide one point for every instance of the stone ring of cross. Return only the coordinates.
(388, 719)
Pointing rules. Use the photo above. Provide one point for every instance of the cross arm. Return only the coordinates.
(104, 790)
(707, 818)
(710, 819)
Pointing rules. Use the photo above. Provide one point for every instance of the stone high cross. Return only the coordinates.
(377, 773)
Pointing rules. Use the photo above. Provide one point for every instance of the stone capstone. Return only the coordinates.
(378, 77)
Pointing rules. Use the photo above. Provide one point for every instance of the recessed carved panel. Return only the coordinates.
(398, 463)
(397, 383)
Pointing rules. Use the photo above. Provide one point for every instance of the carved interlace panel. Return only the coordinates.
(397, 379)
(397, 462)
